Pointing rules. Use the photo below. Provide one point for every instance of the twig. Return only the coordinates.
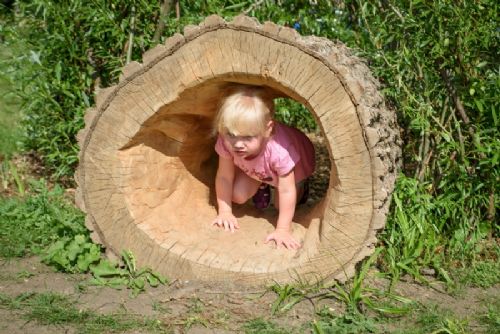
(398, 13)
(131, 36)
(491, 207)
(460, 137)
(177, 10)
(456, 100)
(164, 9)
(420, 153)
(425, 163)
(253, 6)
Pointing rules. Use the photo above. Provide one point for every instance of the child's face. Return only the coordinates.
(247, 147)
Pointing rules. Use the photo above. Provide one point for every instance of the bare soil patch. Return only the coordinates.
(182, 306)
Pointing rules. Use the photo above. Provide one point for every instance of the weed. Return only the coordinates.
(195, 319)
(357, 297)
(261, 326)
(159, 307)
(348, 323)
(24, 274)
(491, 319)
(31, 224)
(107, 273)
(10, 131)
(437, 320)
(482, 274)
(287, 296)
(46, 224)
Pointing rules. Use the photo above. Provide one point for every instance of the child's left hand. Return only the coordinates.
(283, 237)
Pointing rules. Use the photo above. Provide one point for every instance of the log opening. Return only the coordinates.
(147, 162)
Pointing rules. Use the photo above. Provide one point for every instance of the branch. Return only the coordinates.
(456, 100)
(164, 9)
(177, 9)
(131, 36)
(253, 6)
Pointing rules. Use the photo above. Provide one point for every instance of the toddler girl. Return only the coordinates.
(254, 152)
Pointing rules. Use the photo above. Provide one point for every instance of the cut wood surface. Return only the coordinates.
(147, 163)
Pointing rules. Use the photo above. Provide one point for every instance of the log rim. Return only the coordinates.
(191, 33)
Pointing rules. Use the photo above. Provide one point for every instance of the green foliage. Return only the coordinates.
(436, 320)
(293, 113)
(482, 274)
(10, 132)
(54, 309)
(73, 254)
(287, 296)
(47, 224)
(348, 323)
(356, 297)
(491, 319)
(261, 326)
(10, 177)
(31, 224)
(107, 273)
(437, 63)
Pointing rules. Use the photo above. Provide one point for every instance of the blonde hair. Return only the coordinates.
(246, 111)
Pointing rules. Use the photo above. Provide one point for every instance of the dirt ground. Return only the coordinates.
(194, 307)
(223, 310)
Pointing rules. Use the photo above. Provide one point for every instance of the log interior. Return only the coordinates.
(169, 168)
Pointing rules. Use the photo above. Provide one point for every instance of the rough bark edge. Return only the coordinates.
(378, 124)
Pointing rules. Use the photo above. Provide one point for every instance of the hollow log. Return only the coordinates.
(147, 163)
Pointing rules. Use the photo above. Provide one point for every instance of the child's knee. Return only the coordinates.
(239, 198)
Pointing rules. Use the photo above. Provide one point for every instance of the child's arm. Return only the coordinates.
(224, 192)
(287, 191)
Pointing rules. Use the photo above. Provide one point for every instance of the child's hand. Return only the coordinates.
(226, 220)
(283, 237)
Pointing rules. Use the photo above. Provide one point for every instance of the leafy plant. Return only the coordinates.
(47, 224)
(261, 326)
(73, 254)
(107, 273)
(357, 297)
(33, 223)
(287, 296)
(348, 323)
(293, 113)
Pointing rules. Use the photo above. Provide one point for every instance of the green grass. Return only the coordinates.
(262, 326)
(347, 323)
(59, 310)
(491, 318)
(10, 131)
(483, 274)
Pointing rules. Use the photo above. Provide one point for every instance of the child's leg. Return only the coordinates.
(244, 186)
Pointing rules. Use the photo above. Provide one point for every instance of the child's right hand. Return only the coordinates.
(226, 220)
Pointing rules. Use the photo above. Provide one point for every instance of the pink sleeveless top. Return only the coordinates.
(286, 149)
